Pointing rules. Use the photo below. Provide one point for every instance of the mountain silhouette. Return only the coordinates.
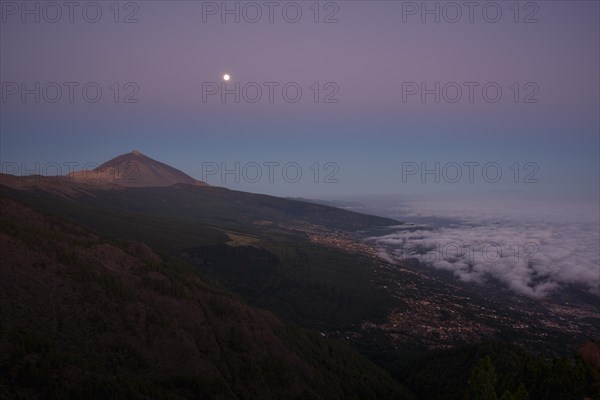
(135, 170)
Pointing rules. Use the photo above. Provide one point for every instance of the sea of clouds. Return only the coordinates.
(533, 245)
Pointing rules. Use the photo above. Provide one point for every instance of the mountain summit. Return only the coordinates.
(135, 170)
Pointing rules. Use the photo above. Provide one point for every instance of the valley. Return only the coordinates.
(307, 264)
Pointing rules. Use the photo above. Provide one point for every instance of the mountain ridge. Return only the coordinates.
(134, 169)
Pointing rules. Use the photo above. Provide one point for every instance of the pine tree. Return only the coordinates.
(522, 393)
(482, 383)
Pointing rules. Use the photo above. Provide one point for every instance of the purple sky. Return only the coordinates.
(374, 53)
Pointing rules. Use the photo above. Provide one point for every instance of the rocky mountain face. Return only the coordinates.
(134, 170)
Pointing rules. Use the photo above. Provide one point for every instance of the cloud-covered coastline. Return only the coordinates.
(534, 247)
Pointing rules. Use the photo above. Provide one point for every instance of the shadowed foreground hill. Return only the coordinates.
(82, 316)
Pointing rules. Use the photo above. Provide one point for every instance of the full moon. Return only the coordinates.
(226, 77)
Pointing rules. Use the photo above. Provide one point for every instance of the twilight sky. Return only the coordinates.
(368, 119)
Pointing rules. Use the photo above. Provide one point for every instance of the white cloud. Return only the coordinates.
(533, 246)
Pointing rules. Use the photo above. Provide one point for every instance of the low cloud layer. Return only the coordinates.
(534, 247)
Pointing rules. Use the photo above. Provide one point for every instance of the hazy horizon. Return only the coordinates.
(158, 66)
